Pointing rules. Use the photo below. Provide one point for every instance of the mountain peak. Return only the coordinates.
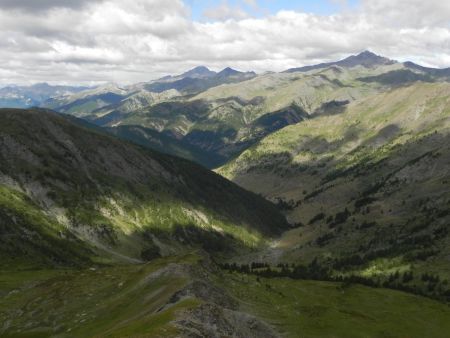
(198, 72)
(40, 85)
(200, 69)
(367, 53)
(366, 59)
(228, 71)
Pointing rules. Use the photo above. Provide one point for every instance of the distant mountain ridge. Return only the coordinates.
(113, 98)
(440, 72)
(34, 95)
(211, 117)
(366, 59)
(198, 72)
(191, 82)
(198, 79)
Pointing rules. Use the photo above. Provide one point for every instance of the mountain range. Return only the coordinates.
(326, 212)
(28, 96)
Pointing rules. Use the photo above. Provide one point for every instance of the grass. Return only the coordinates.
(108, 192)
(32, 238)
(326, 309)
(137, 301)
(392, 148)
(103, 302)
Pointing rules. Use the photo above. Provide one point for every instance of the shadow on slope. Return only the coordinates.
(380, 212)
(108, 187)
(401, 77)
(197, 130)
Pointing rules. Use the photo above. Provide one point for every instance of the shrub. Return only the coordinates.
(150, 253)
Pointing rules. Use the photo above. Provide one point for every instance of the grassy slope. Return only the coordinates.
(155, 140)
(104, 302)
(309, 90)
(140, 301)
(390, 149)
(30, 237)
(117, 196)
(324, 309)
(101, 101)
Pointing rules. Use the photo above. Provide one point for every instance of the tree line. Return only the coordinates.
(426, 284)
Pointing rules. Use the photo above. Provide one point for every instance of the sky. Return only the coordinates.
(201, 8)
(95, 41)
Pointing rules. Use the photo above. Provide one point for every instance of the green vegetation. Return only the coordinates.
(427, 285)
(370, 182)
(103, 302)
(30, 238)
(75, 184)
(325, 309)
(97, 234)
(165, 298)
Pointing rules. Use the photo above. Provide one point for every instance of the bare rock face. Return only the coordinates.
(206, 292)
(219, 314)
(211, 320)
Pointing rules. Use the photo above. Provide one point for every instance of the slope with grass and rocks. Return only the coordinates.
(72, 193)
(189, 296)
(113, 99)
(103, 237)
(169, 297)
(367, 188)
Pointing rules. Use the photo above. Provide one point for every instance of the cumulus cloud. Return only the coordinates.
(43, 5)
(408, 13)
(131, 41)
(225, 11)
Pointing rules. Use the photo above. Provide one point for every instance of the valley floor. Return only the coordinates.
(189, 296)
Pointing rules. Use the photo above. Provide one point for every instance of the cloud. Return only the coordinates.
(132, 41)
(225, 11)
(251, 3)
(43, 5)
(408, 13)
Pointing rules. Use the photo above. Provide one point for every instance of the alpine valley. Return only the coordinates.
(313, 202)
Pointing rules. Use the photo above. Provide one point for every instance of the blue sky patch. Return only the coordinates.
(269, 7)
